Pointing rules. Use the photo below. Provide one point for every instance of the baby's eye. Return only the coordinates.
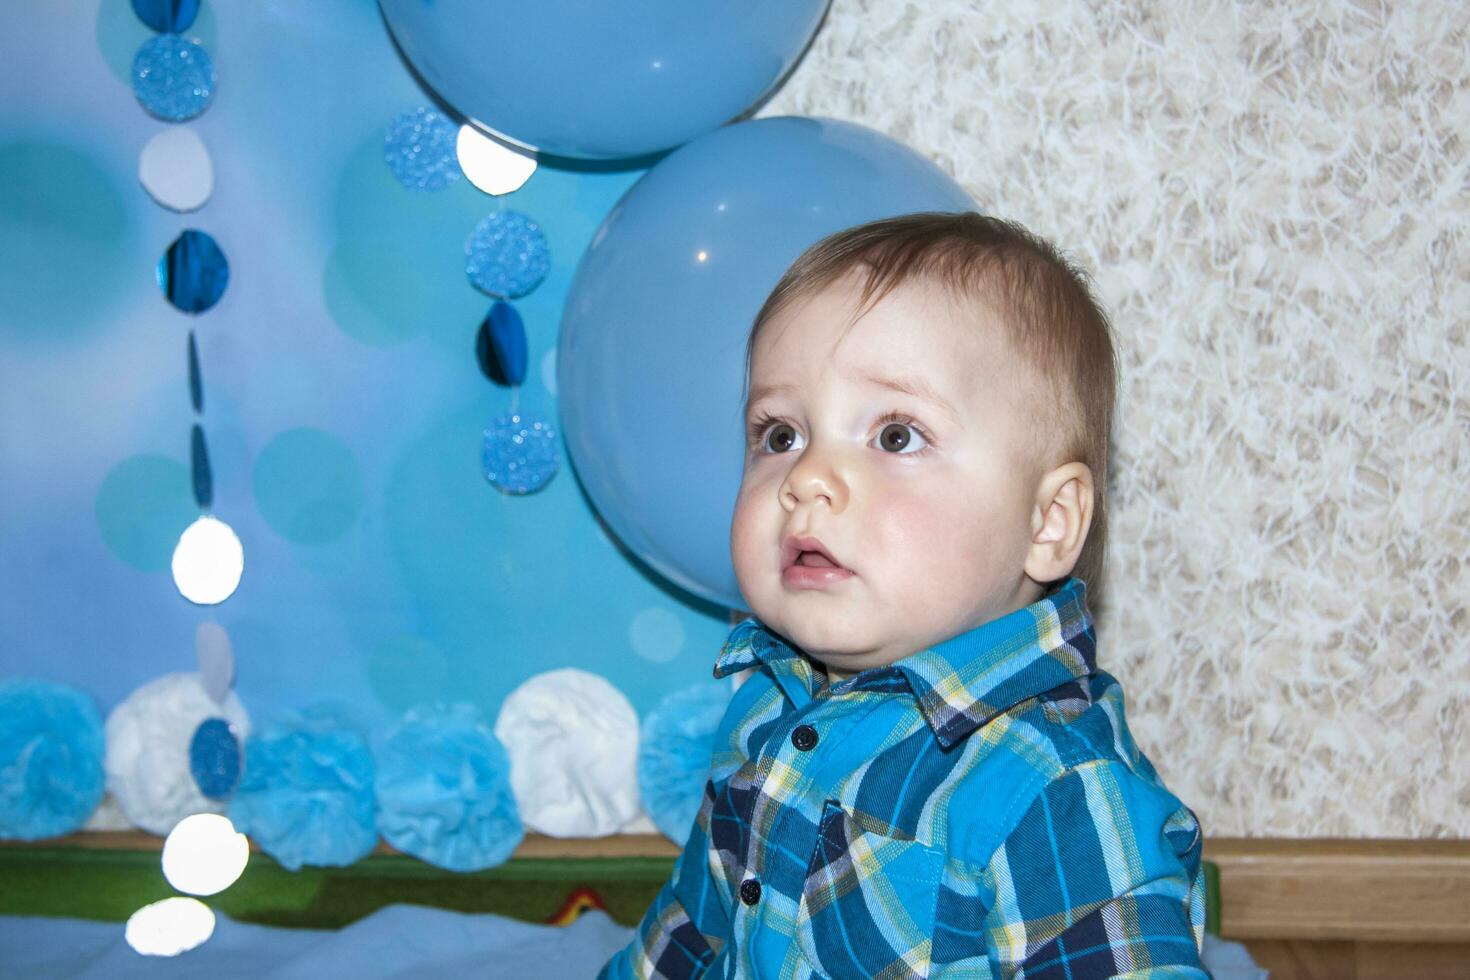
(897, 435)
(780, 438)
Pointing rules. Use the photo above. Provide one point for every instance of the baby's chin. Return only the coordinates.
(835, 639)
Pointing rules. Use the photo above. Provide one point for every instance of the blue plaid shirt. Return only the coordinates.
(977, 809)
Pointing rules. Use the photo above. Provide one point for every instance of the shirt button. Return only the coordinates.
(804, 738)
(750, 891)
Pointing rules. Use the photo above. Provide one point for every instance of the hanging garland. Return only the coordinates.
(174, 80)
(506, 257)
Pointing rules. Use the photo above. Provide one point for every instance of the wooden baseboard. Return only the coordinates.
(1393, 891)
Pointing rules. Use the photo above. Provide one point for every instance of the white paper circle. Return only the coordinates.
(169, 927)
(491, 166)
(204, 854)
(175, 169)
(208, 561)
(147, 759)
(572, 739)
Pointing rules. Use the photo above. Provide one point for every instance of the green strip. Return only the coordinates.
(1212, 898)
(109, 885)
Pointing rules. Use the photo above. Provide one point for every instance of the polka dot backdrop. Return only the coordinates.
(392, 554)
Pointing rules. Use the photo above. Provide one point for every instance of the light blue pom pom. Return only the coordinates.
(444, 790)
(307, 793)
(51, 748)
(674, 749)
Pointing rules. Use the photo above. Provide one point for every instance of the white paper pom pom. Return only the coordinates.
(573, 744)
(147, 758)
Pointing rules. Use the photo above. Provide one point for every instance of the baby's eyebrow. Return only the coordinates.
(916, 387)
(766, 391)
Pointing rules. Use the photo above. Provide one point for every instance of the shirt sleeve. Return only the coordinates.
(1102, 877)
(685, 927)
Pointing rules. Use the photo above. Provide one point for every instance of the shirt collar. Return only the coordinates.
(960, 683)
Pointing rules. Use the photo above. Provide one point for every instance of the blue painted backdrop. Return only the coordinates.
(343, 405)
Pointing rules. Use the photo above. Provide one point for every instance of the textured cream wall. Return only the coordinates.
(1274, 200)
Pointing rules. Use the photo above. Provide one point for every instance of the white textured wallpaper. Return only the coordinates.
(1273, 200)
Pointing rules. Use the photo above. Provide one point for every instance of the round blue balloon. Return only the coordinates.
(214, 758)
(651, 355)
(602, 80)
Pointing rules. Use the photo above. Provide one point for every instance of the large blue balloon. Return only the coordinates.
(651, 356)
(602, 80)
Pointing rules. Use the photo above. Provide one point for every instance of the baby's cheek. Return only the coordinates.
(937, 538)
(745, 533)
(918, 522)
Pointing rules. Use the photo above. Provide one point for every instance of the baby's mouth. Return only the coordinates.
(809, 552)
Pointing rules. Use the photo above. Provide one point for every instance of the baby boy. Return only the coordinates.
(926, 773)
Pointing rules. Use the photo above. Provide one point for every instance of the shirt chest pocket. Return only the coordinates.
(868, 901)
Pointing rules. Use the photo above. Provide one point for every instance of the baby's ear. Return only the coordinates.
(1060, 519)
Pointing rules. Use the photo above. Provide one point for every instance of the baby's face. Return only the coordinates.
(929, 513)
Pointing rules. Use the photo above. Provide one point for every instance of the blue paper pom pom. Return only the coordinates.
(520, 453)
(173, 77)
(507, 255)
(419, 147)
(444, 791)
(307, 793)
(51, 749)
(674, 753)
(214, 758)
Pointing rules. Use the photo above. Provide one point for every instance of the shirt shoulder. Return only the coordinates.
(1042, 742)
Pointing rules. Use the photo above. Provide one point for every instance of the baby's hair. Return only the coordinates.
(1044, 300)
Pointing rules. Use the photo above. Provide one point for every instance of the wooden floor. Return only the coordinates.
(1307, 960)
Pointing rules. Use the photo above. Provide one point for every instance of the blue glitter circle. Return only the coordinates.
(507, 255)
(173, 77)
(420, 150)
(520, 453)
(214, 758)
